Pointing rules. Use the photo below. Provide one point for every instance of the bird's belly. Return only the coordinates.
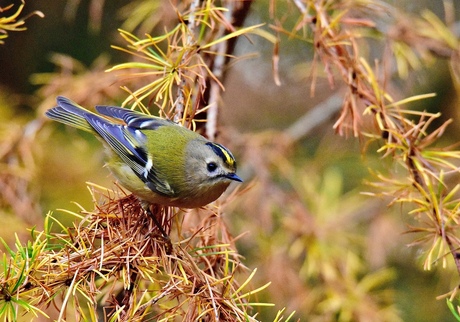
(198, 197)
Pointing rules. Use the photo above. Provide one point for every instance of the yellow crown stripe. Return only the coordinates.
(223, 153)
(228, 157)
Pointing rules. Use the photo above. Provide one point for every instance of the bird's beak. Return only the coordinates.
(233, 176)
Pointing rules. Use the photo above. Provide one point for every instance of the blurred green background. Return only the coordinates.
(320, 190)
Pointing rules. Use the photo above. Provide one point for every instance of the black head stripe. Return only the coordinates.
(223, 153)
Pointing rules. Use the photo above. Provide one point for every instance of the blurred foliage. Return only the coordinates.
(11, 22)
(310, 235)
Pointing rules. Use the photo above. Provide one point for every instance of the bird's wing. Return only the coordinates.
(129, 143)
(133, 118)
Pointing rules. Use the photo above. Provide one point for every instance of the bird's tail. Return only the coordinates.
(70, 113)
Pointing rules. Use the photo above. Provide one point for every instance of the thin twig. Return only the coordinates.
(190, 38)
(236, 14)
(315, 117)
(218, 71)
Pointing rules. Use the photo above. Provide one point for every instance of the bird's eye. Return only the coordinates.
(212, 166)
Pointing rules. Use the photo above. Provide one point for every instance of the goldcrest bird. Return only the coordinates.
(159, 161)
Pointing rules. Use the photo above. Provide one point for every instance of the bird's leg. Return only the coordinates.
(165, 236)
(157, 223)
